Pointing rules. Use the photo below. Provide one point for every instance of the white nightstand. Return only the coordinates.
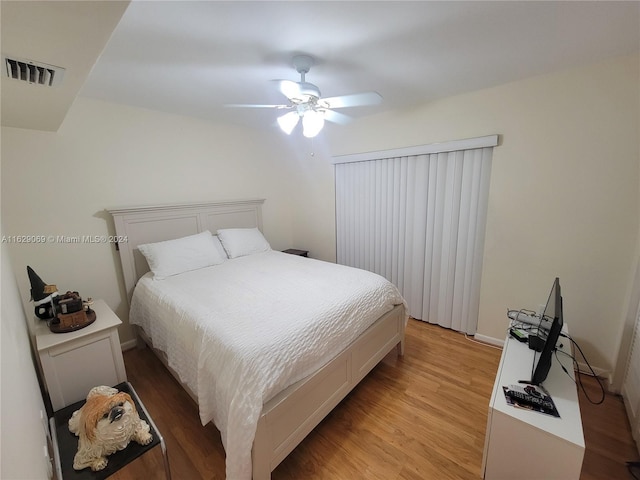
(75, 362)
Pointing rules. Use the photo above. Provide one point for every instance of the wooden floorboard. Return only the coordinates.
(413, 418)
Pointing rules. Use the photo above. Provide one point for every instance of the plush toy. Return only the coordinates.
(106, 423)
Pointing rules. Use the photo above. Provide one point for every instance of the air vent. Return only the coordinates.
(35, 73)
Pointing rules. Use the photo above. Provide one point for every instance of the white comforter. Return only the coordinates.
(240, 332)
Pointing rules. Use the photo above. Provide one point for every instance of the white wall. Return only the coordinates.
(108, 155)
(22, 435)
(313, 213)
(564, 191)
(631, 303)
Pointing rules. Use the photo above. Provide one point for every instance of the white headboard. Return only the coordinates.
(138, 225)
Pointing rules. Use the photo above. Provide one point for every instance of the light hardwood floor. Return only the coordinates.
(419, 417)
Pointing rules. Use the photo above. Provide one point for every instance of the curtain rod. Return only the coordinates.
(452, 146)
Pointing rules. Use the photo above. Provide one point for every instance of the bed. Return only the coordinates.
(293, 348)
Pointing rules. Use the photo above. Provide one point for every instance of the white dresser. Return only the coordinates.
(525, 444)
(75, 362)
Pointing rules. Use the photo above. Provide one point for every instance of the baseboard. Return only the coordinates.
(490, 340)
(600, 372)
(128, 345)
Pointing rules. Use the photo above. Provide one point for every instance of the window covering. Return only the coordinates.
(419, 221)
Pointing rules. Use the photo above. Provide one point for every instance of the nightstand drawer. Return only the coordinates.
(72, 372)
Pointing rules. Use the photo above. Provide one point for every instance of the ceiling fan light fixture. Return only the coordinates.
(312, 123)
(288, 122)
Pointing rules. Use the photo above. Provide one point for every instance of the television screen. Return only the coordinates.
(553, 312)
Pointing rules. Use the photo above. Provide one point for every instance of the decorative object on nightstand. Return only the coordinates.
(295, 251)
(72, 363)
(43, 296)
(72, 314)
(63, 313)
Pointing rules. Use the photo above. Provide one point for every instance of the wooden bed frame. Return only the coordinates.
(288, 417)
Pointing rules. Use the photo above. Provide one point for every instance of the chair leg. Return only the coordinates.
(165, 459)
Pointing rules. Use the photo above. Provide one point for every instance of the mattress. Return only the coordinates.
(240, 332)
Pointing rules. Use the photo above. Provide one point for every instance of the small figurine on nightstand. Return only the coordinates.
(44, 296)
(63, 313)
(106, 423)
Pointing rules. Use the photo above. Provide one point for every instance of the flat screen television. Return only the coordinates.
(552, 312)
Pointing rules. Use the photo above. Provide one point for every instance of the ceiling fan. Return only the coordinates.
(306, 102)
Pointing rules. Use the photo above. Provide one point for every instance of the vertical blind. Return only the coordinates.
(419, 221)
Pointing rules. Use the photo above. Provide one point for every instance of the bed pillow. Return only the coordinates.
(219, 247)
(173, 257)
(239, 242)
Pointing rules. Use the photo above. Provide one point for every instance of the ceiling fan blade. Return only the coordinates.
(289, 88)
(336, 117)
(354, 100)
(249, 105)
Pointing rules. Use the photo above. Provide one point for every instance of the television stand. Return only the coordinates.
(526, 444)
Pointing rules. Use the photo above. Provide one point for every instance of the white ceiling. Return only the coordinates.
(192, 58)
(64, 34)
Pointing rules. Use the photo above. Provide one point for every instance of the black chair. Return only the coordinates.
(65, 443)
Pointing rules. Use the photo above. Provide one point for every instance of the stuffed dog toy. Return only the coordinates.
(106, 423)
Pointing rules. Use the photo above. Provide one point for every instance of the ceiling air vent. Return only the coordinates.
(35, 73)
